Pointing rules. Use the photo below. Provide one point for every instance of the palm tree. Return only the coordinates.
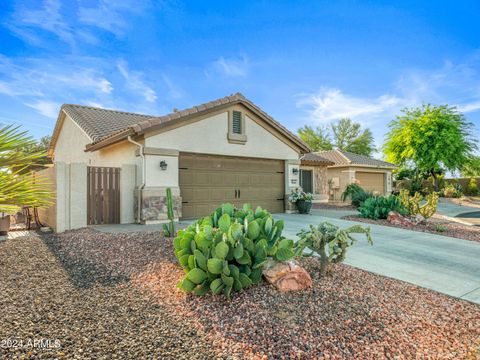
(17, 187)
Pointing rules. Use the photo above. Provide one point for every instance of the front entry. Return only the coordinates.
(206, 181)
(103, 195)
(306, 180)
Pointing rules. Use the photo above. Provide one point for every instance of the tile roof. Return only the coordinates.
(99, 123)
(315, 159)
(102, 124)
(340, 157)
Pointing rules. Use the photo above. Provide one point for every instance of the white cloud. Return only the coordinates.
(174, 91)
(111, 16)
(134, 81)
(453, 84)
(231, 67)
(46, 108)
(469, 107)
(36, 77)
(85, 79)
(51, 16)
(332, 104)
(25, 22)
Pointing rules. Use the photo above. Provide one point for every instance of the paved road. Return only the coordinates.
(447, 265)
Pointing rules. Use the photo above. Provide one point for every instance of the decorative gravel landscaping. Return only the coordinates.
(114, 296)
(433, 226)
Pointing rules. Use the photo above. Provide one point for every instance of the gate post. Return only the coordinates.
(78, 195)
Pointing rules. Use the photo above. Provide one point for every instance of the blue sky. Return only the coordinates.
(304, 62)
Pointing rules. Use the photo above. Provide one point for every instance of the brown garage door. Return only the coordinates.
(371, 181)
(206, 181)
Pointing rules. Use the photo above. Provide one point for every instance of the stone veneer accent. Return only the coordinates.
(320, 180)
(154, 206)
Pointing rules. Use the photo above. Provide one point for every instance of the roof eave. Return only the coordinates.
(110, 140)
(145, 127)
(365, 166)
(316, 163)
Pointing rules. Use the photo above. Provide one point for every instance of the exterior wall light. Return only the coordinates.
(163, 165)
(295, 171)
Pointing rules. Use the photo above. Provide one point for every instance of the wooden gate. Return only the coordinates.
(103, 191)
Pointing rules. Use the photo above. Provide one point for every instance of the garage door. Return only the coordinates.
(206, 181)
(371, 181)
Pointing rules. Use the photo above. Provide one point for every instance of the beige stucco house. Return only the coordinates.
(115, 167)
(343, 168)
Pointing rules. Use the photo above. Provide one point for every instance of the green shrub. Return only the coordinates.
(378, 207)
(472, 187)
(440, 228)
(226, 251)
(356, 193)
(326, 235)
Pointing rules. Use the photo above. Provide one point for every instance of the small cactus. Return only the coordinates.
(169, 229)
(412, 203)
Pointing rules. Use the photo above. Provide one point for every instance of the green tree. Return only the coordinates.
(471, 167)
(430, 138)
(37, 147)
(349, 136)
(318, 139)
(18, 187)
(344, 135)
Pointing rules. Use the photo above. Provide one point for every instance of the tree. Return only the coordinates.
(18, 188)
(344, 135)
(348, 136)
(318, 139)
(37, 147)
(430, 139)
(471, 167)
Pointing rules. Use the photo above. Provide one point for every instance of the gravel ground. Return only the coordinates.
(114, 296)
(451, 229)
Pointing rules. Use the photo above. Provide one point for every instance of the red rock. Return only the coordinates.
(396, 219)
(287, 276)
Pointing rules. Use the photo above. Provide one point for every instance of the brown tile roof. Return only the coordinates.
(315, 159)
(99, 123)
(105, 126)
(340, 157)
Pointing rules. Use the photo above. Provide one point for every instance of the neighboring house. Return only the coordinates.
(115, 167)
(343, 168)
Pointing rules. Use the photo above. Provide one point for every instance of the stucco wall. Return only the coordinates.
(346, 176)
(71, 144)
(69, 150)
(48, 215)
(209, 136)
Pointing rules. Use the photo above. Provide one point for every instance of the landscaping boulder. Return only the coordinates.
(397, 219)
(287, 276)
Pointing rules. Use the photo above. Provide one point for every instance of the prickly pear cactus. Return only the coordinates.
(226, 251)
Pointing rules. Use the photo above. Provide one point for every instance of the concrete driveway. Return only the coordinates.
(444, 264)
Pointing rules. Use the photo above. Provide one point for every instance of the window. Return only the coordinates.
(236, 122)
(236, 127)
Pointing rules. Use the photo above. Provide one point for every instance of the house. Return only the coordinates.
(343, 168)
(115, 167)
